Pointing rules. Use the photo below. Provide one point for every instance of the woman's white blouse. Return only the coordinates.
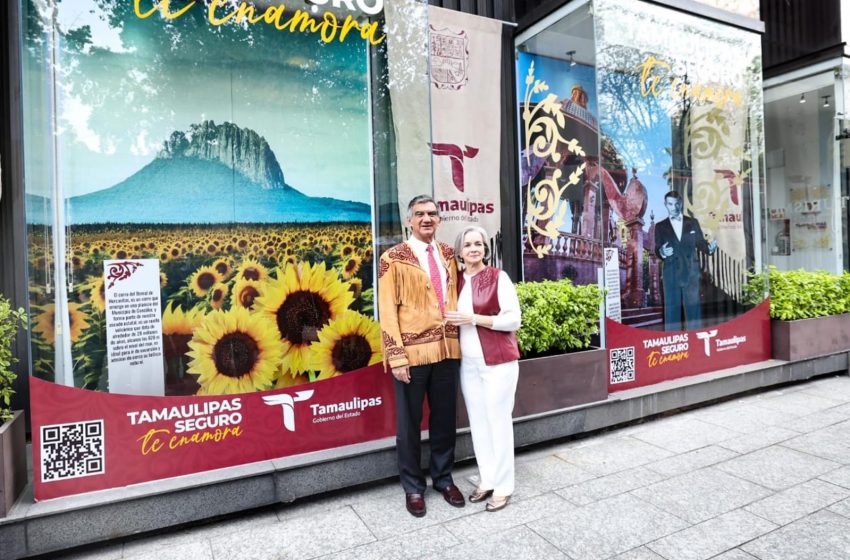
(508, 319)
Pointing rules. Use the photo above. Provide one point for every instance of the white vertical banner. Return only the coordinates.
(465, 119)
(134, 327)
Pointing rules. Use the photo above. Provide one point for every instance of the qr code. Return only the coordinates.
(622, 364)
(72, 450)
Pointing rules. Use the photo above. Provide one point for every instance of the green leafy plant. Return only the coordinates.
(557, 316)
(10, 321)
(800, 294)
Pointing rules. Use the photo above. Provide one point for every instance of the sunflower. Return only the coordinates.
(351, 266)
(47, 319)
(97, 294)
(283, 379)
(300, 302)
(250, 269)
(163, 279)
(234, 352)
(218, 294)
(177, 328)
(244, 293)
(346, 250)
(222, 267)
(351, 342)
(203, 279)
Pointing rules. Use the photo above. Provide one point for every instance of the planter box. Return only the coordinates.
(13, 461)
(807, 338)
(556, 382)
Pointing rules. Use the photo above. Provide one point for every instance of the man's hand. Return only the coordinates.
(402, 373)
(458, 318)
(666, 250)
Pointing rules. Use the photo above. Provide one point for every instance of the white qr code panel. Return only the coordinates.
(622, 364)
(72, 450)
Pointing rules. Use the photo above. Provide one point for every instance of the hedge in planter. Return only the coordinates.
(557, 316)
(810, 311)
(13, 463)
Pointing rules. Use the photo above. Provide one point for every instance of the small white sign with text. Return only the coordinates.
(612, 283)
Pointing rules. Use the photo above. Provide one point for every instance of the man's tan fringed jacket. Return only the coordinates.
(413, 331)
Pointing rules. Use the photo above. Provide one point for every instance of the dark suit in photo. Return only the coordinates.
(680, 272)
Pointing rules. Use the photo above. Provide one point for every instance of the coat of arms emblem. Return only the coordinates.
(449, 58)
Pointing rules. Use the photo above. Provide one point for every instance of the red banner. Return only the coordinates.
(639, 357)
(86, 440)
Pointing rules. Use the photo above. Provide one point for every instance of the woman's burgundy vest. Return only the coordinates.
(499, 347)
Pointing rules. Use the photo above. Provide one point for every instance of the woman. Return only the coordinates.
(488, 315)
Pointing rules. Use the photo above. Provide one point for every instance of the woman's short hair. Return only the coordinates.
(470, 229)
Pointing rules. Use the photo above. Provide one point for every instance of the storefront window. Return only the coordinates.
(803, 227)
(246, 153)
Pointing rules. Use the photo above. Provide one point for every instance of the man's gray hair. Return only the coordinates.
(419, 199)
(484, 237)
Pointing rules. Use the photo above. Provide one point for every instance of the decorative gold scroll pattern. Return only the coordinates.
(545, 210)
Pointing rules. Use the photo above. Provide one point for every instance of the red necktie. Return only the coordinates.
(436, 281)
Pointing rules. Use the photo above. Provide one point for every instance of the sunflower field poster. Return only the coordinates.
(238, 157)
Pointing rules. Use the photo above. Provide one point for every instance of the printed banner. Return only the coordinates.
(638, 357)
(87, 440)
(466, 120)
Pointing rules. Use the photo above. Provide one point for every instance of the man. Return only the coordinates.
(677, 240)
(417, 282)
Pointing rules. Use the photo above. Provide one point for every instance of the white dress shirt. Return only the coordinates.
(677, 226)
(420, 250)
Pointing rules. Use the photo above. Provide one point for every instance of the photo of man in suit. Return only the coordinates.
(677, 240)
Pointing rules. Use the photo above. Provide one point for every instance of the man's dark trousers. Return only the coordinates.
(678, 298)
(439, 382)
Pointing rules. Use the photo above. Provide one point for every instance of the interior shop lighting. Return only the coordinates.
(826, 101)
(803, 98)
(572, 59)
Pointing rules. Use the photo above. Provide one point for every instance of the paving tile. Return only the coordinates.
(798, 501)
(518, 512)
(609, 455)
(199, 550)
(692, 460)
(836, 388)
(799, 403)
(735, 554)
(702, 494)
(816, 421)
(831, 443)
(777, 467)
(550, 473)
(770, 435)
(841, 477)
(744, 418)
(233, 524)
(639, 553)
(608, 486)
(712, 537)
(430, 540)
(606, 528)
(387, 517)
(519, 542)
(683, 435)
(306, 537)
(102, 552)
(822, 536)
(841, 508)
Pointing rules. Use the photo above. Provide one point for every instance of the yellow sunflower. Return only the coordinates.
(350, 266)
(97, 293)
(244, 293)
(283, 380)
(203, 279)
(223, 268)
(177, 329)
(234, 352)
(250, 269)
(44, 324)
(300, 302)
(218, 294)
(163, 279)
(351, 342)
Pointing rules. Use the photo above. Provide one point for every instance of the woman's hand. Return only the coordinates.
(458, 318)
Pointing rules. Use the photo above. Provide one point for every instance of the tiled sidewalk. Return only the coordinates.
(765, 476)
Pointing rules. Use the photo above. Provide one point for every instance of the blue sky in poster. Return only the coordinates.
(127, 84)
(558, 75)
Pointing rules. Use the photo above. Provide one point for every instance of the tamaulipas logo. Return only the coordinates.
(287, 403)
(706, 337)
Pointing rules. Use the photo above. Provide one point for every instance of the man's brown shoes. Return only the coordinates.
(415, 504)
(453, 496)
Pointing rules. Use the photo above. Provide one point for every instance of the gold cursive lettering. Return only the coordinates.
(655, 73)
(162, 6)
